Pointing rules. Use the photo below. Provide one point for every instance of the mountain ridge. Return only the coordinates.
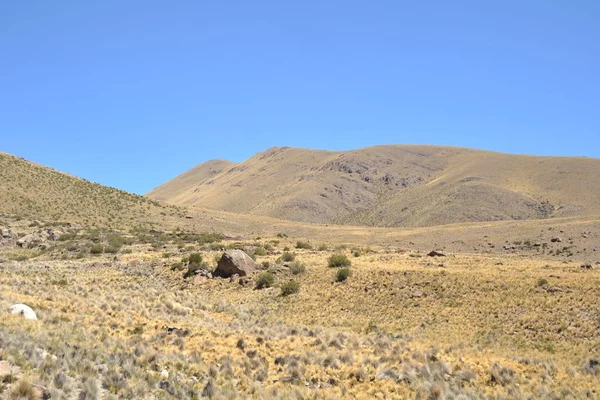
(392, 185)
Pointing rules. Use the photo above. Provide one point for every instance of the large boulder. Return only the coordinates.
(24, 310)
(235, 262)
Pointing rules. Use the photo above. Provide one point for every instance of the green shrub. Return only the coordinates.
(303, 245)
(287, 257)
(290, 287)
(297, 268)
(111, 249)
(338, 260)
(260, 251)
(177, 266)
(97, 249)
(323, 247)
(192, 268)
(342, 274)
(195, 258)
(542, 282)
(356, 252)
(265, 280)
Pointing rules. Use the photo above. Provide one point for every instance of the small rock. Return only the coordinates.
(434, 253)
(586, 266)
(417, 293)
(245, 281)
(554, 289)
(24, 310)
(556, 240)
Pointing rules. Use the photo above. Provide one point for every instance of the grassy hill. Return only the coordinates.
(32, 191)
(392, 186)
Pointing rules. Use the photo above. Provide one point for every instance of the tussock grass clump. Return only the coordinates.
(260, 251)
(97, 249)
(297, 268)
(338, 260)
(342, 274)
(290, 287)
(286, 257)
(25, 390)
(265, 280)
(303, 245)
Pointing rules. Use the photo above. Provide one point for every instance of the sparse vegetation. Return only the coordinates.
(265, 280)
(297, 268)
(289, 288)
(342, 274)
(286, 257)
(303, 245)
(338, 260)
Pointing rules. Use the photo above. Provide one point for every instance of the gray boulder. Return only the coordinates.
(235, 262)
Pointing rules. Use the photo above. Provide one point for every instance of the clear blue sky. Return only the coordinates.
(131, 93)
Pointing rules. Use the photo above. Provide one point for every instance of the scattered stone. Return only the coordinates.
(556, 240)
(434, 253)
(7, 369)
(417, 293)
(586, 266)
(5, 233)
(24, 310)
(235, 262)
(245, 281)
(554, 289)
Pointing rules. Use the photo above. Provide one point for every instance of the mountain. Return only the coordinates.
(392, 186)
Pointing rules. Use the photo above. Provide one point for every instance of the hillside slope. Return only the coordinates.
(32, 191)
(392, 186)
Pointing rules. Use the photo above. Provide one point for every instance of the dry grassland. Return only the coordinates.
(403, 325)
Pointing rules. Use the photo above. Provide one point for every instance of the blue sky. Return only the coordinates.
(132, 93)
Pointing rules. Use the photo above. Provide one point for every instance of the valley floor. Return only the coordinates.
(403, 325)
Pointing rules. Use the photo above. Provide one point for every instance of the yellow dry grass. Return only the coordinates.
(402, 326)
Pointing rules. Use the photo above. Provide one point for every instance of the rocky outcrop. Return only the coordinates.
(235, 262)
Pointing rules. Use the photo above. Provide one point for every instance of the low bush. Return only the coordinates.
(287, 257)
(297, 268)
(303, 245)
(97, 249)
(265, 280)
(342, 274)
(290, 287)
(338, 260)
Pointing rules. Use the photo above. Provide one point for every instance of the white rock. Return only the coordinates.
(164, 374)
(24, 310)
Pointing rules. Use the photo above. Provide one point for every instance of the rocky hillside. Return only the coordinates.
(392, 186)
